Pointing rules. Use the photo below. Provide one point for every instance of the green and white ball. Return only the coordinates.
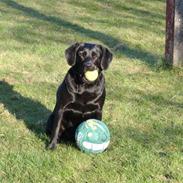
(92, 136)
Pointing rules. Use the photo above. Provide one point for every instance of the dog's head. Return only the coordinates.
(88, 57)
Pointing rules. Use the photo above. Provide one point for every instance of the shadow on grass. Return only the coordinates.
(28, 11)
(144, 18)
(112, 42)
(32, 112)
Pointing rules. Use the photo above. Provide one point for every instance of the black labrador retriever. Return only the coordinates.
(78, 98)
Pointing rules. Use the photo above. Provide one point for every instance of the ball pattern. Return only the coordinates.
(92, 136)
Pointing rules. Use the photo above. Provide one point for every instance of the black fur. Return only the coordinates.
(77, 98)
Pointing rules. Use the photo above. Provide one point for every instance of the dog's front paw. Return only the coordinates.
(52, 146)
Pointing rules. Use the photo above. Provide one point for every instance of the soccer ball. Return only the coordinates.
(92, 136)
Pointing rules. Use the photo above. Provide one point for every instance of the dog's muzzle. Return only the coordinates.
(89, 66)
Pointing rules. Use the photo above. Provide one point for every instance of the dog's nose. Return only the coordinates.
(88, 64)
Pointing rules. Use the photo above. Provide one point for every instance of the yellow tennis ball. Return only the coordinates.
(91, 75)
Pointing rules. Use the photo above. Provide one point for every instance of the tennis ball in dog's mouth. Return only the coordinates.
(91, 75)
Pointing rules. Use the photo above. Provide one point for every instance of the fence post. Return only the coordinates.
(174, 33)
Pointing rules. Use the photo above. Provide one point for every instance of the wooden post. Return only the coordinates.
(170, 8)
(174, 33)
(178, 45)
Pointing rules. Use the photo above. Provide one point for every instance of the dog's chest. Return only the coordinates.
(84, 103)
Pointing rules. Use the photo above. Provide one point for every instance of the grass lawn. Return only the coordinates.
(144, 104)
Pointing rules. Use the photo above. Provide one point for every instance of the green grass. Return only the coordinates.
(144, 104)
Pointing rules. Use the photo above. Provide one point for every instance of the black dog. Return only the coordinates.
(79, 99)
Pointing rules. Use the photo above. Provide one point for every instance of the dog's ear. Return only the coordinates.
(70, 54)
(106, 57)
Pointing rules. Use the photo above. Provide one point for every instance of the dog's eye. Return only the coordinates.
(94, 55)
(82, 54)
